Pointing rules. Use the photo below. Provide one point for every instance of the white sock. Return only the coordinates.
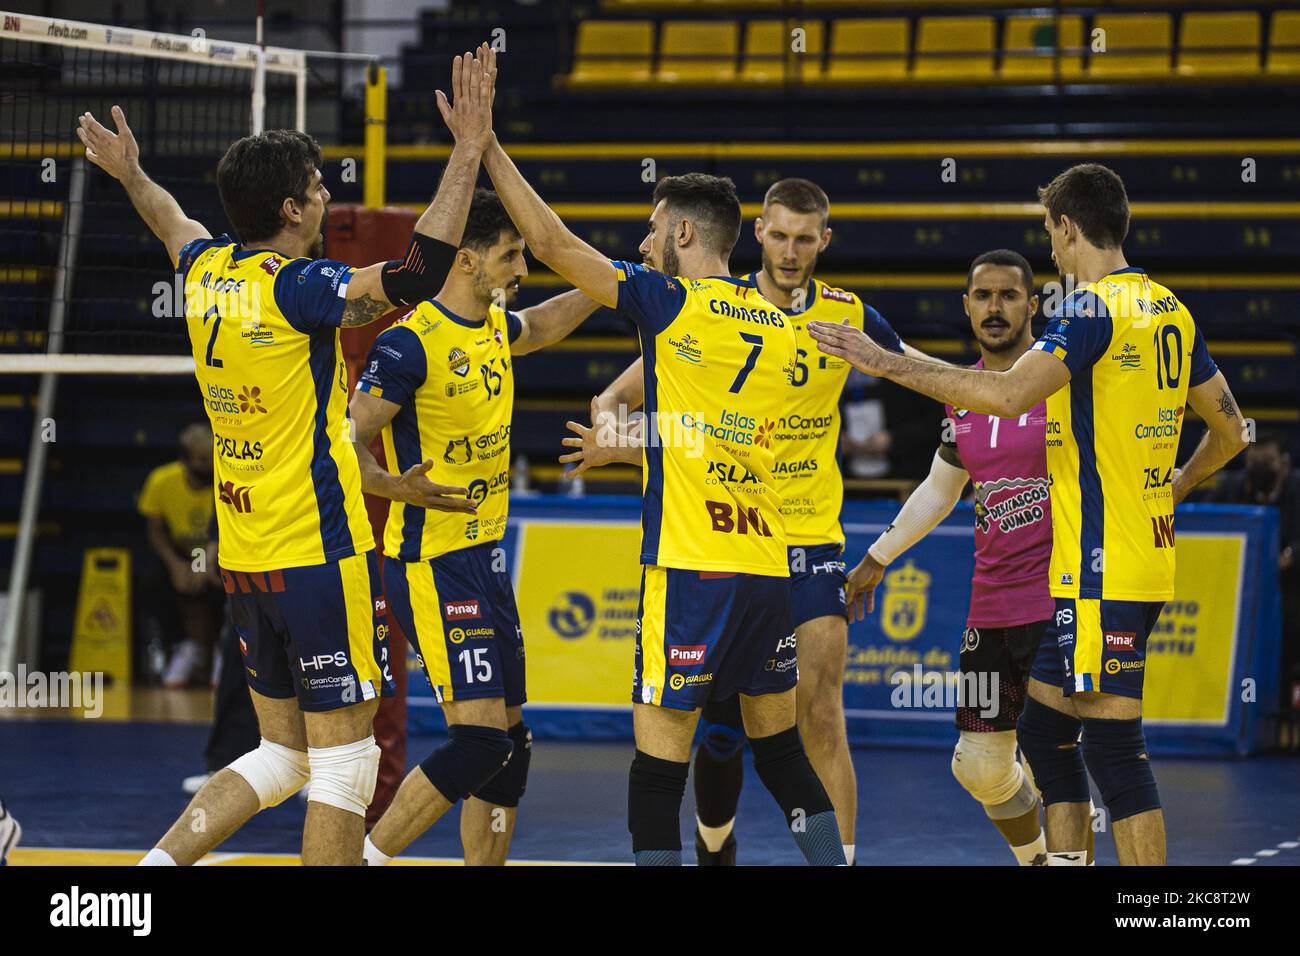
(157, 857)
(849, 849)
(714, 837)
(1027, 854)
(375, 856)
(1068, 858)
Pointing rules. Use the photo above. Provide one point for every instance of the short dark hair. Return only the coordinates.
(799, 195)
(710, 202)
(486, 221)
(1003, 257)
(258, 173)
(1092, 196)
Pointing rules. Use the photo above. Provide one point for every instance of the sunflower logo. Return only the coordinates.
(250, 400)
(763, 436)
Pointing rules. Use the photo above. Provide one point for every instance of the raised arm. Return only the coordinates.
(1224, 438)
(928, 504)
(376, 289)
(550, 321)
(369, 416)
(547, 235)
(627, 391)
(1008, 394)
(118, 154)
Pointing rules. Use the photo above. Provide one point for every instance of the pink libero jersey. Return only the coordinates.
(1006, 459)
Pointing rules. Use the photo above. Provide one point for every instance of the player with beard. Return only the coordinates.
(1010, 606)
(792, 232)
(439, 385)
(263, 313)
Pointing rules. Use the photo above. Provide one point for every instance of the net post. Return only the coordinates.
(376, 135)
(38, 448)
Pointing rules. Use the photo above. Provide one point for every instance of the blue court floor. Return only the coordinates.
(79, 784)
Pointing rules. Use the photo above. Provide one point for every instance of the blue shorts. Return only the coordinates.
(312, 632)
(702, 632)
(817, 582)
(1094, 645)
(458, 610)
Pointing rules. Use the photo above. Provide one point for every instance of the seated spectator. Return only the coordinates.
(177, 503)
(1267, 479)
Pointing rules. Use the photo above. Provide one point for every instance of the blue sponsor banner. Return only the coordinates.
(1221, 635)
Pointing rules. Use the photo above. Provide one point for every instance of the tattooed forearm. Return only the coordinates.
(364, 310)
(1227, 406)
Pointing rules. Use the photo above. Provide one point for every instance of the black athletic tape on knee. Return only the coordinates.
(1116, 753)
(783, 766)
(1048, 741)
(420, 273)
(506, 788)
(470, 758)
(654, 802)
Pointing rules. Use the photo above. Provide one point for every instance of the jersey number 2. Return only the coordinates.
(757, 342)
(212, 361)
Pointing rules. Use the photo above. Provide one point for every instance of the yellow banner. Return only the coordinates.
(577, 594)
(1190, 651)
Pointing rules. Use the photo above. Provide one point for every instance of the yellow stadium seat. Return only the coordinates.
(954, 48)
(771, 55)
(698, 51)
(1136, 46)
(612, 53)
(1284, 43)
(1219, 44)
(864, 51)
(1030, 48)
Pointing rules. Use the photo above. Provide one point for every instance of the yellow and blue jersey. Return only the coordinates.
(455, 383)
(718, 360)
(807, 470)
(1112, 435)
(264, 331)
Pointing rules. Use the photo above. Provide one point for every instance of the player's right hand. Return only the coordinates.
(861, 587)
(117, 154)
(415, 489)
(473, 87)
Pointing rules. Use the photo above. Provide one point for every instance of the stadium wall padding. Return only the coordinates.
(1212, 660)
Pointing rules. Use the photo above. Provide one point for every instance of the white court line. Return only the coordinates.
(1244, 861)
(1265, 853)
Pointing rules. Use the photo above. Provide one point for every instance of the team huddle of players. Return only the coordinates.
(745, 600)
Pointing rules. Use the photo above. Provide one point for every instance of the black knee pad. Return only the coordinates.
(470, 758)
(506, 788)
(654, 802)
(1116, 752)
(1049, 742)
(721, 741)
(782, 765)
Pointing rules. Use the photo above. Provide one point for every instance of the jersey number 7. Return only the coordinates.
(757, 342)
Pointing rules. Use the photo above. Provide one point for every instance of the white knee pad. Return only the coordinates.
(274, 771)
(985, 764)
(344, 776)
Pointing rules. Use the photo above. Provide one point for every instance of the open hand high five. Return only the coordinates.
(473, 87)
(117, 154)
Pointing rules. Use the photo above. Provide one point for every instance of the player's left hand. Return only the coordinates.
(850, 344)
(117, 154)
(473, 87)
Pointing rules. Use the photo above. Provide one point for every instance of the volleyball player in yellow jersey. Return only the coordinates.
(263, 313)
(439, 385)
(792, 232)
(714, 604)
(1118, 362)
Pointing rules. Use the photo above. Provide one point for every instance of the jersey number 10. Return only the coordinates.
(1165, 356)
